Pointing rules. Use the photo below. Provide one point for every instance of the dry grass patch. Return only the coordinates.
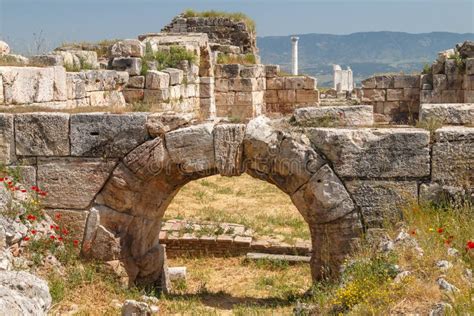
(242, 200)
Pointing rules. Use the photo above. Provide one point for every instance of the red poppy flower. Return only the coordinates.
(58, 216)
(447, 241)
(413, 232)
(51, 226)
(10, 183)
(60, 238)
(33, 232)
(31, 217)
(42, 193)
(65, 231)
(26, 238)
(75, 242)
(56, 227)
(440, 230)
(34, 188)
(1, 179)
(23, 190)
(470, 245)
(52, 237)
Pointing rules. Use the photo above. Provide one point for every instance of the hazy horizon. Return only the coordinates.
(88, 20)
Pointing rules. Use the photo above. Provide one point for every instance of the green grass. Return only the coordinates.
(235, 16)
(167, 59)
(247, 59)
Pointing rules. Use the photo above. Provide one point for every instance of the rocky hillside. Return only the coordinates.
(366, 53)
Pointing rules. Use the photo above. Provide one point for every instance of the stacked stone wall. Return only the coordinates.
(221, 30)
(286, 93)
(239, 90)
(395, 98)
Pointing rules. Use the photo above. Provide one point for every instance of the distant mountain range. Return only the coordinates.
(366, 53)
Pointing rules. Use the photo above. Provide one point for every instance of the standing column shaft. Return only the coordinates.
(294, 57)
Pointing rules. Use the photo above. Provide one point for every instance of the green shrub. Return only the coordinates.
(167, 59)
(460, 62)
(426, 69)
(234, 16)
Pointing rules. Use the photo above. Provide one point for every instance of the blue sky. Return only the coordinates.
(90, 20)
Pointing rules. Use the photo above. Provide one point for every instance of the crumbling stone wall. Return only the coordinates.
(397, 98)
(130, 166)
(221, 30)
(53, 87)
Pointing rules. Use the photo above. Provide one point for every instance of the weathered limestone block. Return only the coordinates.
(47, 60)
(470, 66)
(42, 134)
(369, 83)
(260, 144)
(295, 83)
(272, 71)
(132, 65)
(136, 82)
(351, 115)
(156, 96)
(382, 200)
(106, 98)
(294, 163)
(175, 92)
(176, 75)
(156, 80)
(374, 152)
(222, 85)
(228, 71)
(307, 96)
(384, 82)
(469, 96)
(158, 124)
(287, 96)
(411, 94)
(192, 147)
(394, 94)
(370, 95)
(451, 114)
(100, 80)
(22, 293)
(148, 159)
(324, 198)
(252, 71)
(133, 95)
(453, 156)
(72, 183)
(7, 141)
(452, 96)
(277, 83)
(76, 85)
(60, 89)
(106, 245)
(466, 50)
(206, 87)
(24, 85)
(106, 135)
(438, 193)
(406, 81)
(271, 96)
(440, 82)
(228, 148)
(127, 48)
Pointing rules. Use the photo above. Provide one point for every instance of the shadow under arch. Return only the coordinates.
(125, 220)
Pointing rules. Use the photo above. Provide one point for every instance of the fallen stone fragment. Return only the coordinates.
(287, 258)
(445, 285)
(134, 308)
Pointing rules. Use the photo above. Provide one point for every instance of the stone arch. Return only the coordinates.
(125, 219)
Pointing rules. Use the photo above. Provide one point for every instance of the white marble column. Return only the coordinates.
(294, 57)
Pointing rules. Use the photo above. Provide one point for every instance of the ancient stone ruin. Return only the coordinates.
(114, 174)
